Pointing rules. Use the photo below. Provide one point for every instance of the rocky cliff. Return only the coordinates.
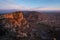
(15, 22)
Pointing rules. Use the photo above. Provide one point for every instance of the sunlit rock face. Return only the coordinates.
(15, 18)
(15, 22)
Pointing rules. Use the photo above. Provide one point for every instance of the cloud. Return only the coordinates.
(11, 4)
(7, 2)
(45, 9)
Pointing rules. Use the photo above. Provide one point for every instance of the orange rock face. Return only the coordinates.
(15, 18)
(8, 16)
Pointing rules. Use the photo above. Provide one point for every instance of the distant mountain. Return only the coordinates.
(7, 11)
(56, 16)
(44, 17)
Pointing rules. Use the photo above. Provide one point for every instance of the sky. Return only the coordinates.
(30, 4)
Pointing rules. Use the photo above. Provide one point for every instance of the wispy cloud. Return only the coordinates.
(45, 9)
(10, 4)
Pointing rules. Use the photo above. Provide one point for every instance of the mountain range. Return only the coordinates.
(26, 25)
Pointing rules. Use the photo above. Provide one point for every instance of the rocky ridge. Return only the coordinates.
(20, 26)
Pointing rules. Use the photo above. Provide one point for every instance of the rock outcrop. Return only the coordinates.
(15, 22)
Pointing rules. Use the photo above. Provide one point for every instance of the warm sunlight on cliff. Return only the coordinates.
(16, 18)
(8, 16)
